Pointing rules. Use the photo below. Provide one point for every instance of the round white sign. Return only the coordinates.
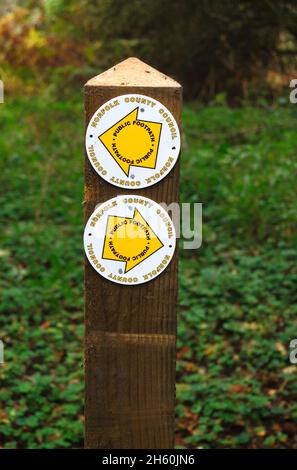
(132, 141)
(129, 239)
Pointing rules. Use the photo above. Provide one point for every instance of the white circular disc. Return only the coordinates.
(133, 141)
(129, 239)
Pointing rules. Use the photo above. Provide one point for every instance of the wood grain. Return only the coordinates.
(130, 331)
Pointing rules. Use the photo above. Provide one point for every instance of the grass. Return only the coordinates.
(237, 308)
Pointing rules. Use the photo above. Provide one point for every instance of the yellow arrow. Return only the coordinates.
(132, 142)
(130, 240)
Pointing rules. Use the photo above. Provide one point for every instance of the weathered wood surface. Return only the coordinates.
(130, 331)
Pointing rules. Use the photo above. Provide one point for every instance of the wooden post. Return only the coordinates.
(130, 331)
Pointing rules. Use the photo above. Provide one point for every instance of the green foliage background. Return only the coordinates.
(239, 47)
(237, 302)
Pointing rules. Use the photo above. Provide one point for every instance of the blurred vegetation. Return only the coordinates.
(237, 307)
(240, 48)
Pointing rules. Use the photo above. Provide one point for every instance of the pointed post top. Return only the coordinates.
(133, 72)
